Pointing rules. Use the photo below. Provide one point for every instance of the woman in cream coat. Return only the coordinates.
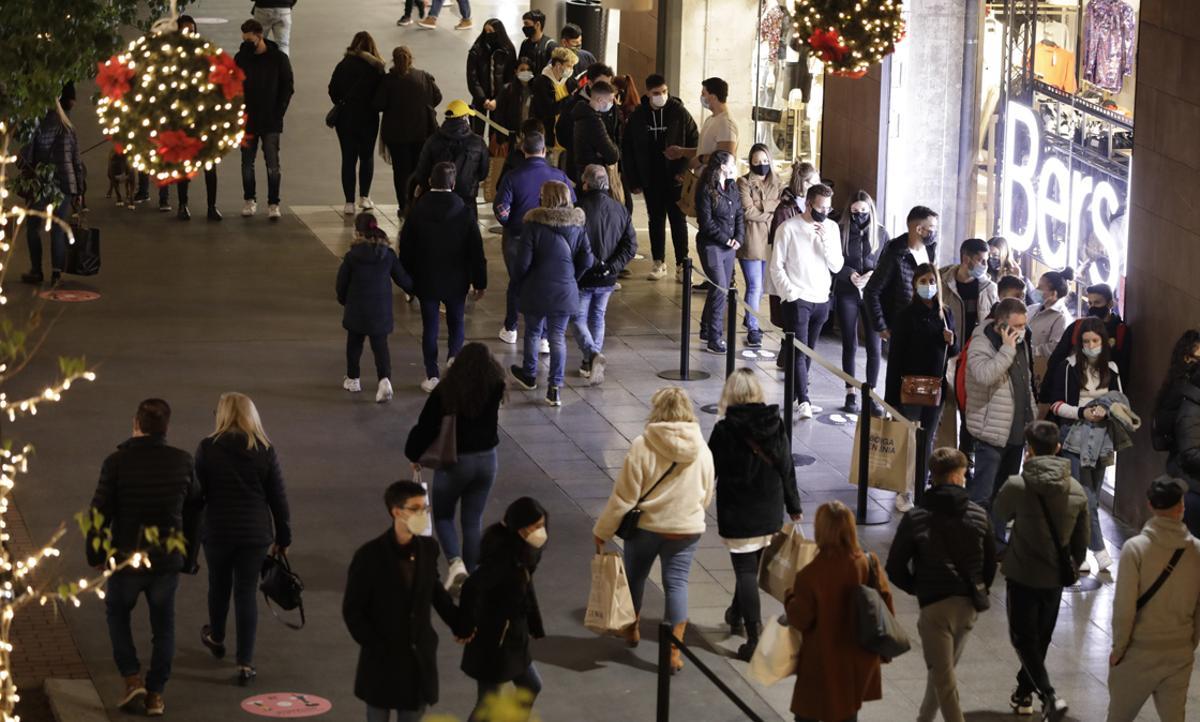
(671, 450)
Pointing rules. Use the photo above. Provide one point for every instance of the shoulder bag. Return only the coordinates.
(443, 452)
(1066, 565)
(629, 522)
(921, 390)
(282, 586)
(878, 631)
(1162, 578)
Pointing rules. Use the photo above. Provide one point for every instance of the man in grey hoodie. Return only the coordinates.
(1049, 512)
(1156, 612)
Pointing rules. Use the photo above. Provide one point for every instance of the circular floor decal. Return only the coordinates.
(286, 704)
(67, 295)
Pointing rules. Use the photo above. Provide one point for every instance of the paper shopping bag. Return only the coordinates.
(893, 455)
(610, 605)
(495, 170)
(788, 553)
(778, 653)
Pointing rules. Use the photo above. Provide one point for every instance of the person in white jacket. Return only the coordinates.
(668, 474)
(1156, 612)
(807, 251)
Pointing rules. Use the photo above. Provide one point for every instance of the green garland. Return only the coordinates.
(849, 36)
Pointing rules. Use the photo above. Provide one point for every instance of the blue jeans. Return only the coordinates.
(849, 307)
(121, 595)
(58, 237)
(455, 311)
(675, 557)
(753, 271)
(529, 680)
(277, 22)
(270, 146)
(380, 714)
(589, 320)
(468, 481)
(233, 569)
(464, 8)
(554, 328)
(993, 466)
(1090, 478)
(717, 262)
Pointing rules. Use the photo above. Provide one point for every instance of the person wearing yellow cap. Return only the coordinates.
(454, 142)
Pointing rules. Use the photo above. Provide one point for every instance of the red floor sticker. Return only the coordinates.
(66, 295)
(286, 704)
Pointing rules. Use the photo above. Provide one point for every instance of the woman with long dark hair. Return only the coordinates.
(491, 65)
(1176, 427)
(472, 392)
(722, 231)
(759, 190)
(407, 96)
(352, 90)
(863, 236)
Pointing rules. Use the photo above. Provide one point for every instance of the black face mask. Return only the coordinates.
(993, 264)
(528, 30)
(818, 216)
(1100, 312)
(761, 170)
(861, 219)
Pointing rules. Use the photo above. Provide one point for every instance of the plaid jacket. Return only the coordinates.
(56, 143)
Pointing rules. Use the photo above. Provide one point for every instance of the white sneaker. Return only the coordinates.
(597, 375)
(365, 203)
(679, 273)
(659, 271)
(544, 346)
(508, 336)
(351, 385)
(273, 212)
(904, 502)
(428, 385)
(249, 208)
(449, 362)
(456, 575)
(804, 411)
(384, 393)
(348, 209)
(1103, 561)
(1086, 566)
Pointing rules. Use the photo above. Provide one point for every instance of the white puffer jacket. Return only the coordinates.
(989, 391)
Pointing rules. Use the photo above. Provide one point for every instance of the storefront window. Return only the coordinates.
(788, 88)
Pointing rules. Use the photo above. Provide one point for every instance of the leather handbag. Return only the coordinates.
(920, 390)
(443, 452)
(629, 522)
(283, 587)
(876, 627)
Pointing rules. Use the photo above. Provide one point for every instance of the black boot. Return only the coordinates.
(213, 213)
(753, 632)
(734, 619)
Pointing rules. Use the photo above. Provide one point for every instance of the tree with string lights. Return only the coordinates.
(849, 36)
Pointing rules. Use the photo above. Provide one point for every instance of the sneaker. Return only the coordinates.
(585, 369)
(804, 410)
(404, 21)
(553, 396)
(679, 273)
(164, 207)
(246, 675)
(851, 405)
(1086, 566)
(456, 575)
(544, 346)
(1054, 709)
(464, 24)
(429, 23)
(206, 638)
(428, 385)
(703, 333)
(33, 278)
(598, 362)
(658, 272)
(616, 286)
(701, 287)
(154, 704)
(348, 209)
(135, 692)
(508, 336)
(352, 385)
(384, 392)
(365, 203)
(1021, 704)
(754, 338)
(903, 502)
(273, 212)
(249, 209)
(214, 214)
(1103, 561)
(55, 277)
(524, 380)
(716, 346)
(184, 214)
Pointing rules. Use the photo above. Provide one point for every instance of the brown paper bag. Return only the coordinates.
(788, 553)
(687, 194)
(893, 458)
(610, 604)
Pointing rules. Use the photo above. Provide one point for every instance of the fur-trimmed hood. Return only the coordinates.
(371, 241)
(371, 60)
(556, 217)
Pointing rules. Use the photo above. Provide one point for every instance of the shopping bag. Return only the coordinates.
(788, 553)
(778, 652)
(687, 193)
(615, 187)
(610, 604)
(893, 459)
(428, 501)
(83, 256)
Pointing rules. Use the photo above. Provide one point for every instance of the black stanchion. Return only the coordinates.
(922, 464)
(866, 514)
(664, 673)
(788, 351)
(730, 341)
(685, 335)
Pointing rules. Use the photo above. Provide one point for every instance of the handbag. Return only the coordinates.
(83, 256)
(629, 522)
(777, 655)
(443, 451)
(283, 587)
(878, 631)
(1066, 565)
(921, 390)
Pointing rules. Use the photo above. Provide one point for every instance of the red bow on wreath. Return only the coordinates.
(114, 78)
(176, 146)
(828, 44)
(223, 71)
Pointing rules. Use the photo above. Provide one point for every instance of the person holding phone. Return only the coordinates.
(722, 224)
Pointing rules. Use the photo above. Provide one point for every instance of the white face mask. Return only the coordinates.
(537, 538)
(704, 102)
(417, 522)
(524, 76)
(605, 107)
(658, 101)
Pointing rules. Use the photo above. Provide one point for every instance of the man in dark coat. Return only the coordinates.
(454, 142)
(269, 87)
(614, 244)
(593, 145)
(1120, 339)
(564, 126)
(146, 485)
(660, 121)
(890, 289)
(945, 555)
(390, 589)
(537, 45)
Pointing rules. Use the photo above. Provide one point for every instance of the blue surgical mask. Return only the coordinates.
(927, 291)
(1036, 295)
(978, 271)
(1092, 352)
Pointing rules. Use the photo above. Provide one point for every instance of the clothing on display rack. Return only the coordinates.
(1109, 37)
(1055, 65)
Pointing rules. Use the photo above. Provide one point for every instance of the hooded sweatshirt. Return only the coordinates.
(677, 505)
(1032, 556)
(1171, 619)
(754, 484)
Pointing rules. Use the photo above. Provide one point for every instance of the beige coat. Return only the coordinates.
(760, 198)
(1171, 619)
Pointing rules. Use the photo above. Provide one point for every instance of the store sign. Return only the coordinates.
(1055, 195)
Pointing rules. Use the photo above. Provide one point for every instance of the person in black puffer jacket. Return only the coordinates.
(269, 86)
(145, 484)
(890, 289)
(407, 96)
(454, 142)
(722, 228)
(1177, 422)
(592, 144)
(564, 127)
(246, 512)
(756, 482)
(491, 65)
(352, 89)
(943, 551)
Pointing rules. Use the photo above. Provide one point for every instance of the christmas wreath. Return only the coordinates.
(172, 103)
(849, 36)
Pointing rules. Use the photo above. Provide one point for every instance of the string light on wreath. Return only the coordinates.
(172, 103)
(849, 36)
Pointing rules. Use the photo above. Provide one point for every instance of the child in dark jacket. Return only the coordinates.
(364, 288)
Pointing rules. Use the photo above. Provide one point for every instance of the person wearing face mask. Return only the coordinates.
(889, 289)
(791, 204)
(719, 131)
(491, 65)
(592, 143)
(1000, 259)
(1000, 400)
(391, 589)
(564, 129)
(1176, 425)
(760, 190)
(269, 86)
(515, 104)
(722, 231)
(1120, 337)
(550, 91)
(862, 239)
(537, 45)
(659, 121)
(1080, 379)
(1048, 318)
(499, 605)
(571, 37)
(807, 250)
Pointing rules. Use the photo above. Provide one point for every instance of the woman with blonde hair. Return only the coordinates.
(245, 518)
(834, 675)
(756, 481)
(668, 476)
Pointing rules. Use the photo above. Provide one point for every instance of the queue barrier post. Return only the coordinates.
(685, 372)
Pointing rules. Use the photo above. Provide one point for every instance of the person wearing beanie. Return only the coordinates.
(1156, 612)
(455, 142)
